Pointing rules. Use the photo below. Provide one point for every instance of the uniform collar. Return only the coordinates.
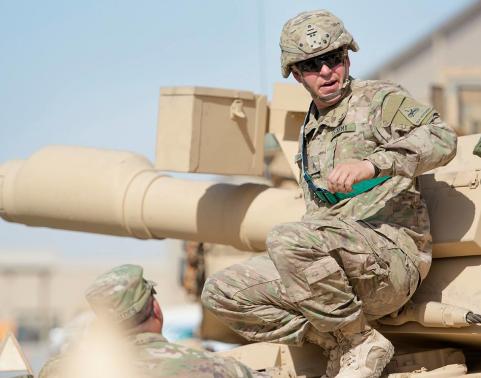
(330, 117)
(311, 122)
(147, 337)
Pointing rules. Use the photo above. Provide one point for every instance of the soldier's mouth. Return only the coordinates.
(329, 84)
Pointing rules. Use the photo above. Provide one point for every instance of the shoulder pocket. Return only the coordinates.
(402, 110)
(379, 126)
(415, 112)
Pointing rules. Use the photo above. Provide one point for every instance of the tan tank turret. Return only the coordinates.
(205, 130)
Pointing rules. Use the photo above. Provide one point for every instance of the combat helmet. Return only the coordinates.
(310, 34)
(122, 295)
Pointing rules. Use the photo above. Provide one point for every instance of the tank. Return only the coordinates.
(122, 193)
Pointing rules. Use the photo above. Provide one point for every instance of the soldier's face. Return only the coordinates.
(324, 85)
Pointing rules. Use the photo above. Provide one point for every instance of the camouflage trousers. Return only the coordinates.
(319, 277)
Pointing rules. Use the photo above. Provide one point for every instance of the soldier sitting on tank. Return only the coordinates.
(360, 251)
(123, 298)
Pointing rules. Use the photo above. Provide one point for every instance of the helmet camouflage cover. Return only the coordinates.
(310, 34)
(120, 294)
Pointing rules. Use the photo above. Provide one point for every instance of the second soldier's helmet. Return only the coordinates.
(122, 295)
(310, 34)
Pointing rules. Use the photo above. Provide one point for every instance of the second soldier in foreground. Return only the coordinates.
(364, 245)
(123, 299)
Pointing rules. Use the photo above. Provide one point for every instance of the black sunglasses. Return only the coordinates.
(315, 64)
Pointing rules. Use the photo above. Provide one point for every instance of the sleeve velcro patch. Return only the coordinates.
(415, 112)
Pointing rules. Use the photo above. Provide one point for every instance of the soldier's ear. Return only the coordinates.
(158, 312)
(297, 74)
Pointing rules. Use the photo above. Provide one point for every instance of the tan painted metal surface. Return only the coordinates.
(308, 361)
(405, 362)
(119, 193)
(211, 130)
(452, 193)
(287, 112)
(453, 281)
(281, 360)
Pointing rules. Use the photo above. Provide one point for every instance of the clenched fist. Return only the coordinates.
(346, 174)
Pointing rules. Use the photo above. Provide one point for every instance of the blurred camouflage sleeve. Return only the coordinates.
(52, 368)
(414, 139)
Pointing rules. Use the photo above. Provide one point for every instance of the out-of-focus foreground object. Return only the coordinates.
(13, 363)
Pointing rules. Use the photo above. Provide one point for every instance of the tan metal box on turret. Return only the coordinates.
(211, 130)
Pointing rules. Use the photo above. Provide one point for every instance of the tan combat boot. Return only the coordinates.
(333, 362)
(331, 350)
(365, 354)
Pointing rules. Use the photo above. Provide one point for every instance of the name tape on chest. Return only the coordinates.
(350, 127)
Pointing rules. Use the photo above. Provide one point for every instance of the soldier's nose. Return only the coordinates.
(325, 70)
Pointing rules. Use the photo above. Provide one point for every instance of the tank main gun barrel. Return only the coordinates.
(120, 193)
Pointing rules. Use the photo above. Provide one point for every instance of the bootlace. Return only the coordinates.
(347, 357)
(343, 342)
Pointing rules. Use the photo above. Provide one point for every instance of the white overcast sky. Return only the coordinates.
(88, 72)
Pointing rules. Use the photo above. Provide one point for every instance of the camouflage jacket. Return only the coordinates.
(153, 356)
(379, 121)
(159, 358)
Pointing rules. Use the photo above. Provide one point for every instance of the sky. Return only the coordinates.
(88, 73)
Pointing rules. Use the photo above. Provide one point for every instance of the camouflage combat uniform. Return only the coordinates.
(366, 254)
(158, 358)
(120, 296)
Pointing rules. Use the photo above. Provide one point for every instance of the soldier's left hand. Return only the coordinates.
(346, 174)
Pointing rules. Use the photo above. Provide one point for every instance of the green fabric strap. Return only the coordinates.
(362, 186)
(323, 194)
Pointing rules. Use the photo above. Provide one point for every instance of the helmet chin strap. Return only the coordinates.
(329, 96)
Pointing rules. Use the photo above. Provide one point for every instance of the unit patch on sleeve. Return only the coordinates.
(415, 112)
